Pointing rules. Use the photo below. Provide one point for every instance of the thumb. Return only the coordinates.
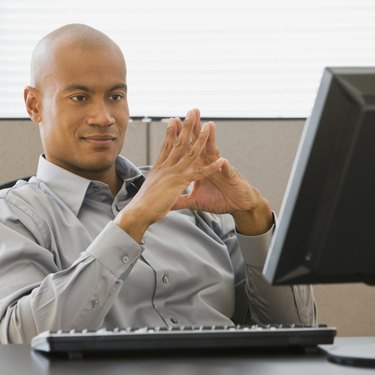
(184, 201)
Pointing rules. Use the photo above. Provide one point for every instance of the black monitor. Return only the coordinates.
(326, 228)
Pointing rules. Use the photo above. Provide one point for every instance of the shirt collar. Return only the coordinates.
(71, 188)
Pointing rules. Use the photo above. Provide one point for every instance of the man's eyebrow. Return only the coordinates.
(77, 86)
(121, 86)
(80, 87)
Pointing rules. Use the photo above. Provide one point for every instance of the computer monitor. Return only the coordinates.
(326, 228)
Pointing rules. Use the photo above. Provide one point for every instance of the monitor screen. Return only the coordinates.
(326, 227)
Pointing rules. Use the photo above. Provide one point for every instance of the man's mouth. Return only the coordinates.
(99, 140)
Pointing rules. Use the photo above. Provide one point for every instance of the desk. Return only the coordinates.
(20, 359)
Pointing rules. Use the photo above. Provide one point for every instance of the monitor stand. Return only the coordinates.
(354, 351)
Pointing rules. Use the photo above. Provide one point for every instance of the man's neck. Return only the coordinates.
(113, 181)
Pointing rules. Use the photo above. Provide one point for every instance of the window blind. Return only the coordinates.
(236, 59)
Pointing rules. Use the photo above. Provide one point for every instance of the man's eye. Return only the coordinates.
(79, 98)
(116, 97)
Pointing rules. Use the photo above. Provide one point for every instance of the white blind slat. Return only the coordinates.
(231, 59)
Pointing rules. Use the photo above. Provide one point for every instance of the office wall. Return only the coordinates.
(20, 147)
(263, 151)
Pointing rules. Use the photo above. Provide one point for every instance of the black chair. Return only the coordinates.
(11, 183)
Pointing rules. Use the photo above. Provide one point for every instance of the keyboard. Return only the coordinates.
(182, 338)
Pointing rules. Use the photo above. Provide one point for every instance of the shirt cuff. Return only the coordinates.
(255, 248)
(114, 249)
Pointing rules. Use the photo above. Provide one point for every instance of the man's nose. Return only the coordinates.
(100, 114)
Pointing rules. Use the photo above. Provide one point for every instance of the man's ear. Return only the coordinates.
(33, 103)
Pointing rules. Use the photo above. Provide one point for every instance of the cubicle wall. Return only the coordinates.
(263, 151)
(20, 147)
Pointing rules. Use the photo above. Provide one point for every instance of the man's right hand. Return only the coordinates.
(172, 173)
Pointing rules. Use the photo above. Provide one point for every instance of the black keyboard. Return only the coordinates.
(182, 338)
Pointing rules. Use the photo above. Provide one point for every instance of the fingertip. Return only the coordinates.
(179, 124)
(225, 168)
(190, 116)
(205, 127)
(219, 163)
(171, 122)
(212, 127)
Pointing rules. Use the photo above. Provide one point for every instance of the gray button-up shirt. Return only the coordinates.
(65, 264)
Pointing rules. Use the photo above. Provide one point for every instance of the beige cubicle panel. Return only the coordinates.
(20, 147)
(263, 150)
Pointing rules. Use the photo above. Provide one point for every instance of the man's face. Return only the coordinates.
(84, 110)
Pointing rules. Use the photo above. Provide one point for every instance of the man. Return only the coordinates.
(90, 242)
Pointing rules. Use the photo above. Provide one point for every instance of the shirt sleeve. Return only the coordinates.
(256, 301)
(36, 295)
(272, 304)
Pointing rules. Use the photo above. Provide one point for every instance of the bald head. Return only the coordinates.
(78, 95)
(77, 35)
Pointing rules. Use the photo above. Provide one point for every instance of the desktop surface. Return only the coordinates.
(20, 359)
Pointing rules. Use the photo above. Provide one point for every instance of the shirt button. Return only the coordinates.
(165, 279)
(174, 320)
(94, 303)
(125, 259)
